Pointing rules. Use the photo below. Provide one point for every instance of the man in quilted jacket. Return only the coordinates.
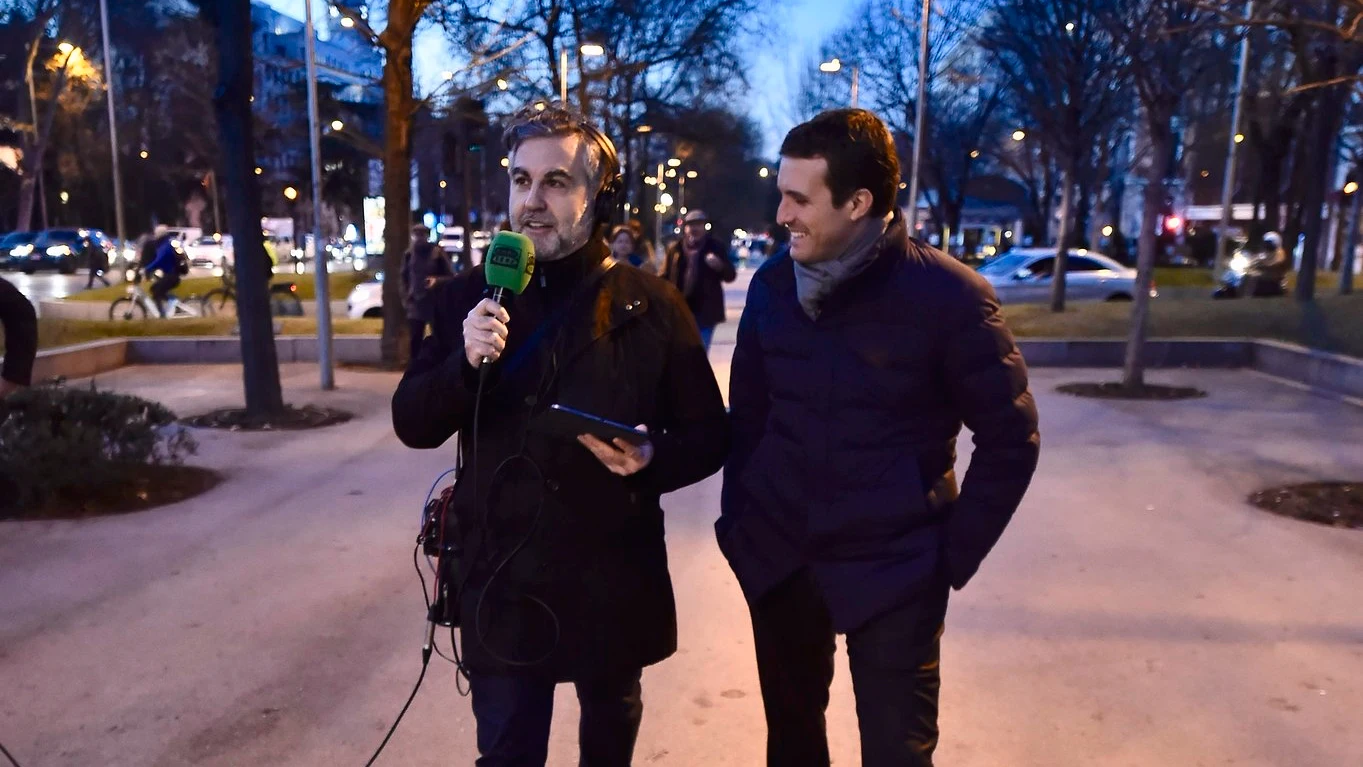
(861, 354)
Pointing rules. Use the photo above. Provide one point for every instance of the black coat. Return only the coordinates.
(424, 260)
(704, 294)
(595, 555)
(845, 431)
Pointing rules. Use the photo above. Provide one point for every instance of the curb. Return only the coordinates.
(1335, 373)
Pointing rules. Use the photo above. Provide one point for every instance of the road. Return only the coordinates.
(47, 285)
(1136, 613)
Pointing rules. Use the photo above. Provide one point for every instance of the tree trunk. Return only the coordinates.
(1161, 137)
(34, 159)
(1062, 237)
(232, 108)
(1316, 177)
(397, 172)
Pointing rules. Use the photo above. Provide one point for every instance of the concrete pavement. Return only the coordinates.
(1136, 613)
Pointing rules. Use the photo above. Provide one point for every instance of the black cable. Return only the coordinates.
(11, 759)
(425, 662)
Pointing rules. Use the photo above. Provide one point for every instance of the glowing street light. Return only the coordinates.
(1239, 138)
(592, 49)
(66, 197)
(975, 154)
(1069, 27)
(506, 162)
(1019, 135)
(1351, 187)
(673, 162)
(66, 48)
(259, 170)
(644, 129)
(763, 172)
(666, 200)
(347, 22)
(290, 193)
(830, 66)
(337, 125)
(502, 84)
(1107, 230)
(691, 174)
(142, 154)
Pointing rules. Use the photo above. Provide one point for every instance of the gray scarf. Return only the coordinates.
(815, 282)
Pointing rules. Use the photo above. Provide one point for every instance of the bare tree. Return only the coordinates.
(1168, 46)
(231, 21)
(400, 107)
(1063, 66)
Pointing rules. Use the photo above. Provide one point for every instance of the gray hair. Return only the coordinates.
(541, 120)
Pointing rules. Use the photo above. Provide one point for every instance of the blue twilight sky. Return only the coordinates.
(776, 61)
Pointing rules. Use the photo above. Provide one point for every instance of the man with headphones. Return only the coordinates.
(562, 564)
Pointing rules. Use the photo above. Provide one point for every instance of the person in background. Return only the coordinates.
(165, 268)
(423, 267)
(96, 260)
(698, 264)
(21, 339)
(628, 249)
(645, 247)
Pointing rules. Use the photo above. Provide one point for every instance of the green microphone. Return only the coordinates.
(509, 264)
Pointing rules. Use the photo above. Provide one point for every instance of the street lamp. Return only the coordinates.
(502, 84)
(691, 174)
(644, 129)
(1019, 135)
(1351, 187)
(592, 50)
(763, 173)
(65, 197)
(834, 65)
(290, 193)
(673, 162)
(142, 154)
(337, 125)
(66, 48)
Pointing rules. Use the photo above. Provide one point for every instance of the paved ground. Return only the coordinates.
(45, 285)
(1137, 612)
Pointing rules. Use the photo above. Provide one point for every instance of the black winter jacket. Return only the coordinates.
(590, 588)
(845, 429)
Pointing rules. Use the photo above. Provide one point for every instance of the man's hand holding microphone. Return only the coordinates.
(509, 265)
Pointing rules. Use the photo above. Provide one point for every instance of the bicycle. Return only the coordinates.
(139, 305)
(222, 301)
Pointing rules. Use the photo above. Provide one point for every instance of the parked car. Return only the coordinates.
(12, 241)
(366, 300)
(1023, 275)
(209, 251)
(65, 250)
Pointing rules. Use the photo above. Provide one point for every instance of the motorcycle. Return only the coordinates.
(1251, 276)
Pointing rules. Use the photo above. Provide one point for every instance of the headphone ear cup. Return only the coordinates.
(607, 201)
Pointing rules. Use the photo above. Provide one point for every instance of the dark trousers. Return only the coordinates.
(416, 330)
(96, 273)
(895, 676)
(514, 712)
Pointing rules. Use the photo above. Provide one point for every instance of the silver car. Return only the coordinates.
(1023, 276)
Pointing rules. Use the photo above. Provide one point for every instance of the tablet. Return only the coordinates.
(567, 422)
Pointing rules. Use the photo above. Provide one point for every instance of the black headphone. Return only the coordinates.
(608, 196)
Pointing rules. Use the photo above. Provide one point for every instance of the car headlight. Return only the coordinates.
(22, 250)
(59, 250)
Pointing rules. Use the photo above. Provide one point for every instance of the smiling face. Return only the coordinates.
(551, 194)
(819, 230)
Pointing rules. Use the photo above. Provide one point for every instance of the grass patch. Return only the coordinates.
(341, 284)
(1183, 277)
(1333, 323)
(56, 332)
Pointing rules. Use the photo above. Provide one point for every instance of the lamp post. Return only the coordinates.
(1228, 182)
(918, 122)
(113, 128)
(319, 252)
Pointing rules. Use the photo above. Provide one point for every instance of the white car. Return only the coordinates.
(1023, 276)
(210, 251)
(366, 300)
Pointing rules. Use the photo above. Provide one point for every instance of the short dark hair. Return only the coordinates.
(625, 229)
(859, 151)
(540, 120)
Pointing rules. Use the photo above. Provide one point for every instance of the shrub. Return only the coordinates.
(59, 443)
